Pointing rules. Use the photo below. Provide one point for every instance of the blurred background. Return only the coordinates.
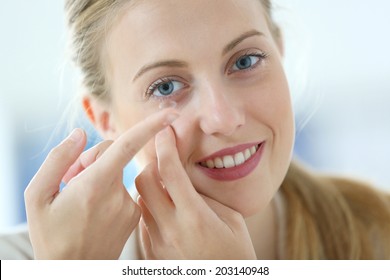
(337, 61)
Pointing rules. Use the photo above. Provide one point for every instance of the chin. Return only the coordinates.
(252, 204)
(247, 196)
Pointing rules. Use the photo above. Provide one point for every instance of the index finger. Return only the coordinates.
(121, 152)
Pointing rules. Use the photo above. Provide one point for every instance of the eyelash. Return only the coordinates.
(261, 55)
(156, 84)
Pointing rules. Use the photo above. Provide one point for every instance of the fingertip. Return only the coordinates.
(77, 135)
(170, 116)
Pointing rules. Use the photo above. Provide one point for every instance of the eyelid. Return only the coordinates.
(153, 86)
(262, 55)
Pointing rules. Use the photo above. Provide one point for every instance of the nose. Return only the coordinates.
(220, 111)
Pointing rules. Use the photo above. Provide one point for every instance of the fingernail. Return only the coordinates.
(76, 135)
(171, 118)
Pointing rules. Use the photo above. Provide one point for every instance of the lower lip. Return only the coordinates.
(237, 172)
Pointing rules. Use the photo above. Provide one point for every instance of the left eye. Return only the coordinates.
(245, 62)
(165, 88)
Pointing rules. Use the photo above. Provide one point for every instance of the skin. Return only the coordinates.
(73, 224)
(220, 106)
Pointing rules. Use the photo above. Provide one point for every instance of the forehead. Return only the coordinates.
(156, 28)
(152, 19)
(186, 13)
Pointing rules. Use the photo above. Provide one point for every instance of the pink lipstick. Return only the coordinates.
(232, 163)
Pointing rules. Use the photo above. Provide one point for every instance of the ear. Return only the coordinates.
(100, 117)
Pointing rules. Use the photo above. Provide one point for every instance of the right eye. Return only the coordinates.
(164, 88)
(246, 62)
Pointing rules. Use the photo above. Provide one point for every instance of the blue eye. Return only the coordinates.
(165, 88)
(246, 62)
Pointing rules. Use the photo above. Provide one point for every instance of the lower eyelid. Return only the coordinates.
(253, 67)
(175, 95)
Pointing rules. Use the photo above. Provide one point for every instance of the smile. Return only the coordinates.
(232, 163)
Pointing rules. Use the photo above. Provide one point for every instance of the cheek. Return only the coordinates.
(271, 106)
(270, 102)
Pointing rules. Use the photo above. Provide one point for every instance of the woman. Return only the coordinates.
(216, 178)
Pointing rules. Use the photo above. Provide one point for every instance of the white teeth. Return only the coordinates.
(247, 154)
(210, 163)
(218, 163)
(239, 158)
(230, 160)
(253, 150)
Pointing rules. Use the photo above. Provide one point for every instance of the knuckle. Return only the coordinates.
(171, 238)
(102, 147)
(142, 178)
(129, 149)
(85, 183)
(169, 172)
(139, 180)
(91, 155)
(31, 194)
(61, 152)
(129, 205)
(236, 218)
(88, 190)
(90, 199)
(57, 153)
(27, 192)
(196, 221)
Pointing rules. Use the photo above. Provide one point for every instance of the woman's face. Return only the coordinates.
(218, 62)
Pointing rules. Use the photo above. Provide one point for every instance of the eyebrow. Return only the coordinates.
(239, 39)
(165, 63)
(182, 64)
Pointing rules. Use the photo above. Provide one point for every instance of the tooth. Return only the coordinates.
(247, 154)
(239, 158)
(228, 161)
(253, 150)
(203, 164)
(210, 163)
(218, 163)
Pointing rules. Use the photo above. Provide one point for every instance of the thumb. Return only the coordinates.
(45, 184)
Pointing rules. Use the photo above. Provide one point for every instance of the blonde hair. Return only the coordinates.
(327, 218)
(334, 218)
(89, 21)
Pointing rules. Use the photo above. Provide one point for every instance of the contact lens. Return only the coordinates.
(167, 104)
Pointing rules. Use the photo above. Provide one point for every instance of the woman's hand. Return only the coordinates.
(179, 223)
(93, 216)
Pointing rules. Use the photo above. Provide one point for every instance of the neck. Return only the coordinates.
(262, 228)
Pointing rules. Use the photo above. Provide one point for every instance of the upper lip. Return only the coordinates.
(229, 151)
